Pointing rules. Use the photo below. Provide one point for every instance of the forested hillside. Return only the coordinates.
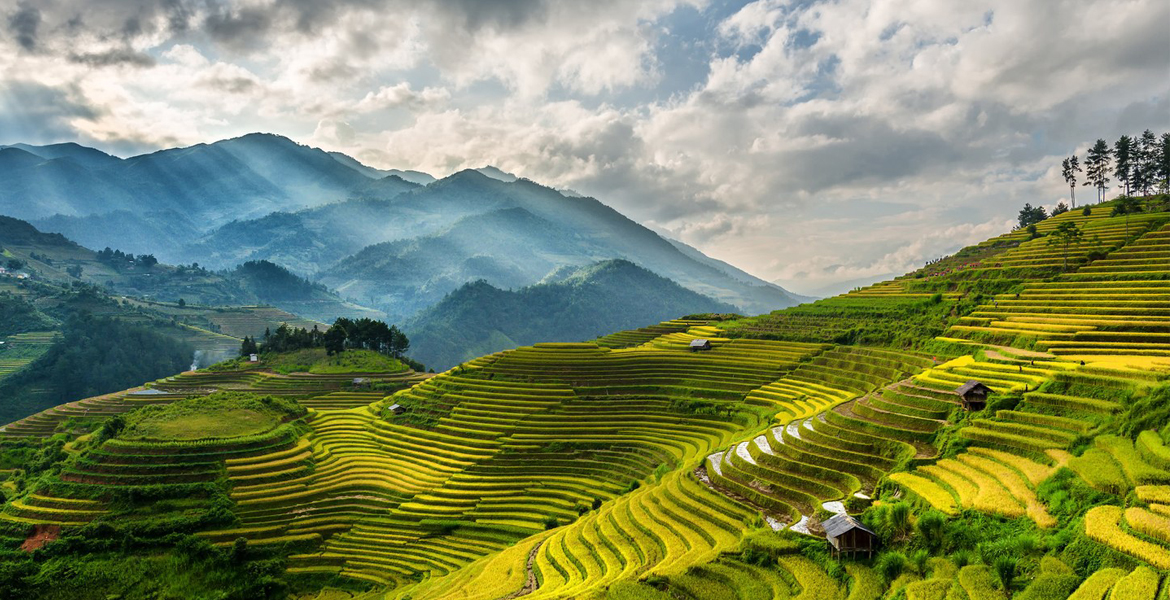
(574, 305)
(821, 451)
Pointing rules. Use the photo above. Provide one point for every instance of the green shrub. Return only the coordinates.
(890, 565)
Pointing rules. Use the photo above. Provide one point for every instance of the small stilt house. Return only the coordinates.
(973, 395)
(397, 409)
(700, 344)
(848, 535)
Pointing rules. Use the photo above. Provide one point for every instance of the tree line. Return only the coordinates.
(1140, 163)
(345, 334)
(119, 259)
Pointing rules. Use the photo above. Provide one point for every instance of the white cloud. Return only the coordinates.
(832, 139)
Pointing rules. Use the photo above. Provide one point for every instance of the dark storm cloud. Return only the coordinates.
(116, 57)
(240, 28)
(36, 113)
(244, 27)
(499, 14)
(24, 23)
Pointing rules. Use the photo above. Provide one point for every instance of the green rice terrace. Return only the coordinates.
(817, 452)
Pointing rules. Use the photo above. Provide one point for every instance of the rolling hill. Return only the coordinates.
(634, 466)
(575, 304)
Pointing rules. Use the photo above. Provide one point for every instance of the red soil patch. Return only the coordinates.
(43, 534)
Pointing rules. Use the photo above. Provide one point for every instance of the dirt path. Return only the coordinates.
(531, 584)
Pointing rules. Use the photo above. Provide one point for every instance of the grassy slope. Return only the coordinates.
(458, 486)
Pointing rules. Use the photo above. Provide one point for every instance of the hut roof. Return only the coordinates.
(971, 385)
(700, 342)
(839, 524)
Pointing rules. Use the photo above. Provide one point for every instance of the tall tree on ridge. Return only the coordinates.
(1123, 155)
(1069, 169)
(1164, 162)
(1097, 168)
(1145, 161)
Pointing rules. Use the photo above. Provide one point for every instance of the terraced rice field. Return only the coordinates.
(23, 348)
(836, 432)
(559, 469)
(521, 437)
(312, 390)
(1116, 305)
(636, 337)
(1014, 450)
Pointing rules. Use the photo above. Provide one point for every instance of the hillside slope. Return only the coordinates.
(54, 258)
(635, 467)
(576, 305)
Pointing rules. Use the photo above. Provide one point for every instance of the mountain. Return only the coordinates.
(90, 158)
(247, 176)
(512, 248)
(575, 304)
(328, 217)
(415, 177)
(497, 174)
(53, 258)
(158, 232)
(509, 247)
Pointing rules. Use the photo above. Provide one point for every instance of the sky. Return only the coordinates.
(807, 142)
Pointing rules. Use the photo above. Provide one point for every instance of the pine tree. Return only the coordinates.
(1123, 154)
(1145, 162)
(1069, 169)
(1164, 162)
(1097, 168)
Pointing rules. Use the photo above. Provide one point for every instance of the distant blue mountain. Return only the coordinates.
(395, 240)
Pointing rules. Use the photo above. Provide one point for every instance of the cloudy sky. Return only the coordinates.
(805, 141)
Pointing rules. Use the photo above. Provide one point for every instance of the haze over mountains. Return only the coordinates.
(395, 241)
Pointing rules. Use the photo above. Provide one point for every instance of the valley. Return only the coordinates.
(700, 457)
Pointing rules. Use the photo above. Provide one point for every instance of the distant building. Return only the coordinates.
(847, 534)
(361, 382)
(973, 395)
(700, 344)
(253, 358)
(397, 409)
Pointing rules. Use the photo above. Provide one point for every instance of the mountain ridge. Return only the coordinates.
(266, 197)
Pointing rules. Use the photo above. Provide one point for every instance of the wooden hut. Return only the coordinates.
(847, 534)
(361, 382)
(397, 409)
(700, 344)
(973, 395)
